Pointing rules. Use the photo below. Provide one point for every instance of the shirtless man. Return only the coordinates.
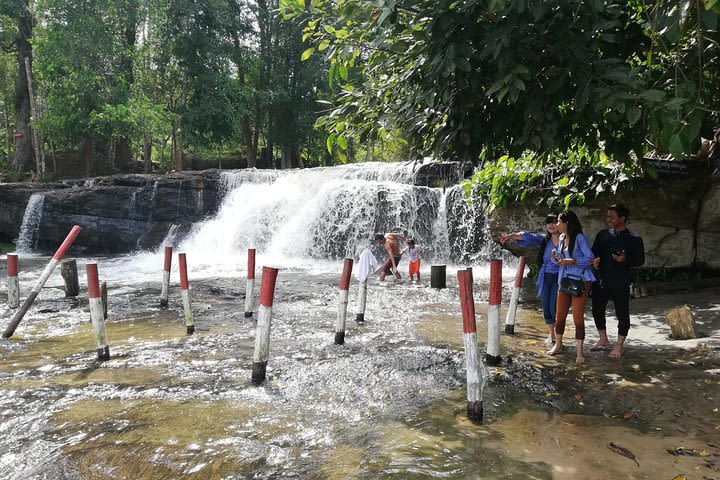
(389, 241)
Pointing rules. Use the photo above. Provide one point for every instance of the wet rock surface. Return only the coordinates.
(388, 404)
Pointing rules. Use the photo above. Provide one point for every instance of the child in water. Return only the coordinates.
(414, 254)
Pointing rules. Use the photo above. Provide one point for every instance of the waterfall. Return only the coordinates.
(30, 227)
(325, 213)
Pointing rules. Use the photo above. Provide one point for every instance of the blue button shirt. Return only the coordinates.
(582, 254)
(548, 266)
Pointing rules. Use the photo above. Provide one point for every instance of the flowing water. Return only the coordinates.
(387, 404)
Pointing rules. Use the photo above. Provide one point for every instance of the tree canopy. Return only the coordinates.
(464, 77)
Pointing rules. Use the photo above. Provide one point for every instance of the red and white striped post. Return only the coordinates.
(185, 291)
(13, 284)
(250, 286)
(41, 281)
(262, 332)
(96, 313)
(165, 289)
(343, 301)
(493, 345)
(512, 309)
(473, 366)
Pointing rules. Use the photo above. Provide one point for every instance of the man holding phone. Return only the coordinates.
(617, 251)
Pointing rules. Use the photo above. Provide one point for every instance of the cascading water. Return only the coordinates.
(28, 236)
(325, 213)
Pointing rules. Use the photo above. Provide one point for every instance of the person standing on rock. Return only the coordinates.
(389, 241)
(574, 258)
(618, 251)
(547, 282)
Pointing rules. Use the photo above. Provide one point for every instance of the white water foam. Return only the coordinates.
(30, 227)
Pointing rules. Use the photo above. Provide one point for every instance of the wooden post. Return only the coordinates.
(41, 281)
(69, 273)
(437, 276)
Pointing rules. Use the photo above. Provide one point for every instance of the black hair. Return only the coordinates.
(411, 241)
(549, 218)
(379, 236)
(573, 228)
(621, 210)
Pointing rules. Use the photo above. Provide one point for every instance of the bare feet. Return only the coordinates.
(556, 350)
(549, 341)
(580, 359)
(599, 345)
(617, 352)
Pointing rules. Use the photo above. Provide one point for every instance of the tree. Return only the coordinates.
(508, 76)
(20, 13)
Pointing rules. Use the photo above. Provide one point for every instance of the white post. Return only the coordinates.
(493, 344)
(261, 354)
(165, 288)
(41, 281)
(185, 290)
(13, 283)
(473, 366)
(512, 308)
(250, 285)
(362, 300)
(96, 313)
(343, 301)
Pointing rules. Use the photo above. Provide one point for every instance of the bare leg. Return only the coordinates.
(382, 275)
(602, 341)
(579, 355)
(551, 335)
(619, 348)
(558, 347)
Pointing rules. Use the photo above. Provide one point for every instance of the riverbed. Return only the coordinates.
(388, 404)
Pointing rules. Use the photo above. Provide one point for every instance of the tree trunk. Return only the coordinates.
(250, 143)
(123, 150)
(147, 154)
(88, 154)
(176, 147)
(122, 154)
(24, 157)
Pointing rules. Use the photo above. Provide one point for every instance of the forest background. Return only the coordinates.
(566, 97)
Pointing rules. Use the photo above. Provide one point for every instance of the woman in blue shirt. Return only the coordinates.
(547, 281)
(574, 257)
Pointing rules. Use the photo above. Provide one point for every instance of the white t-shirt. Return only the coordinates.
(413, 253)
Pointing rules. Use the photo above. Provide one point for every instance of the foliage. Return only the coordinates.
(563, 180)
(509, 76)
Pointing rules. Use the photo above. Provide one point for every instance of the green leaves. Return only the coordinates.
(307, 54)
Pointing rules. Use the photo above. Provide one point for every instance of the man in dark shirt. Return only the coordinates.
(618, 250)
